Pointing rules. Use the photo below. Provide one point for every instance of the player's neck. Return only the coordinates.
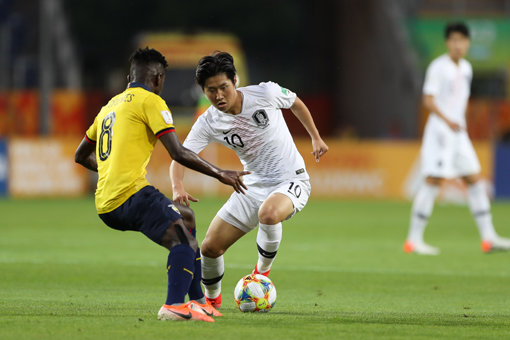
(454, 59)
(237, 108)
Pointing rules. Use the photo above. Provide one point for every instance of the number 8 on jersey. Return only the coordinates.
(106, 132)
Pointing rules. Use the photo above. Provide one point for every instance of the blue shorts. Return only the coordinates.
(147, 211)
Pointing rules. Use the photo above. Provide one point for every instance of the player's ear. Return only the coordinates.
(236, 80)
(155, 80)
(159, 79)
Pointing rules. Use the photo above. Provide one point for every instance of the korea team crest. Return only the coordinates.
(260, 118)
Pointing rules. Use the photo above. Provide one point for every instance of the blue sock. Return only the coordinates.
(180, 266)
(195, 289)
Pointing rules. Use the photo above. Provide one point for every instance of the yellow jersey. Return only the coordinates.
(125, 132)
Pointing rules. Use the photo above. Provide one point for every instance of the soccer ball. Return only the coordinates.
(255, 293)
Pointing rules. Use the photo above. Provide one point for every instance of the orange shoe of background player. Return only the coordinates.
(486, 246)
(497, 243)
(408, 247)
(420, 248)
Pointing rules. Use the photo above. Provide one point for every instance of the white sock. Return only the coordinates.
(480, 207)
(212, 273)
(423, 204)
(269, 237)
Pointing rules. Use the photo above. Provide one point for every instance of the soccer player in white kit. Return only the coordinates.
(249, 121)
(447, 151)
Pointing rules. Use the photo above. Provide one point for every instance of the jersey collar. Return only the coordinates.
(137, 84)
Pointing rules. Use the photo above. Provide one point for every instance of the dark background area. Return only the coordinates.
(351, 59)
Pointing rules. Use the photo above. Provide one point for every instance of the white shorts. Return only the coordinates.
(447, 154)
(242, 211)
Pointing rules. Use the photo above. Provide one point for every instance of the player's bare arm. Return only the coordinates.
(86, 155)
(179, 193)
(430, 105)
(191, 160)
(300, 110)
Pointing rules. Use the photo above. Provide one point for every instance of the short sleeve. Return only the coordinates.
(432, 80)
(280, 97)
(158, 116)
(91, 134)
(199, 136)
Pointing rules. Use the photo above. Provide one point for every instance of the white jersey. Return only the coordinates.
(450, 85)
(258, 135)
(446, 153)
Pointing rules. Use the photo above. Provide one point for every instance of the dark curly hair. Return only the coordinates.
(146, 56)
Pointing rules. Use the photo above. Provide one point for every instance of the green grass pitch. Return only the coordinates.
(340, 273)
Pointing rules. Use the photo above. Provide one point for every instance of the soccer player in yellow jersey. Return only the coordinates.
(118, 145)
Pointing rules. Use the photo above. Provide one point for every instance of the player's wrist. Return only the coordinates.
(316, 138)
(217, 173)
(178, 188)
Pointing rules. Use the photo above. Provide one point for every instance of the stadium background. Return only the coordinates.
(358, 65)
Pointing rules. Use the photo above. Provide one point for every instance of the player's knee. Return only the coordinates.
(177, 234)
(269, 216)
(472, 179)
(208, 249)
(187, 214)
(434, 180)
(193, 243)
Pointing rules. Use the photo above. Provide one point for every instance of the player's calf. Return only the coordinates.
(268, 241)
(212, 273)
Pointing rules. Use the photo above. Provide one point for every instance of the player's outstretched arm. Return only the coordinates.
(179, 194)
(193, 161)
(300, 110)
(86, 155)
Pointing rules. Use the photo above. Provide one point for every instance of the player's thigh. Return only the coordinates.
(187, 215)
(466, 162)
(150, 212)
(437, 152)
(219, 237)
(237, 217)
(157, 214)
(285, 201)
(241, 212)
(276, 208)
(436, 181)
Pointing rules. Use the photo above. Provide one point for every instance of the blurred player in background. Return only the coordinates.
(249, 121)
(447, 151)
(118, 145)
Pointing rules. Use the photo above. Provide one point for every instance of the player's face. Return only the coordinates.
(222, 93)
(457, 45)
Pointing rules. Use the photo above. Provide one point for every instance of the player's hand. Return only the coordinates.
(183, 198)
(234, 179)
(454, 126)
(319, 148)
